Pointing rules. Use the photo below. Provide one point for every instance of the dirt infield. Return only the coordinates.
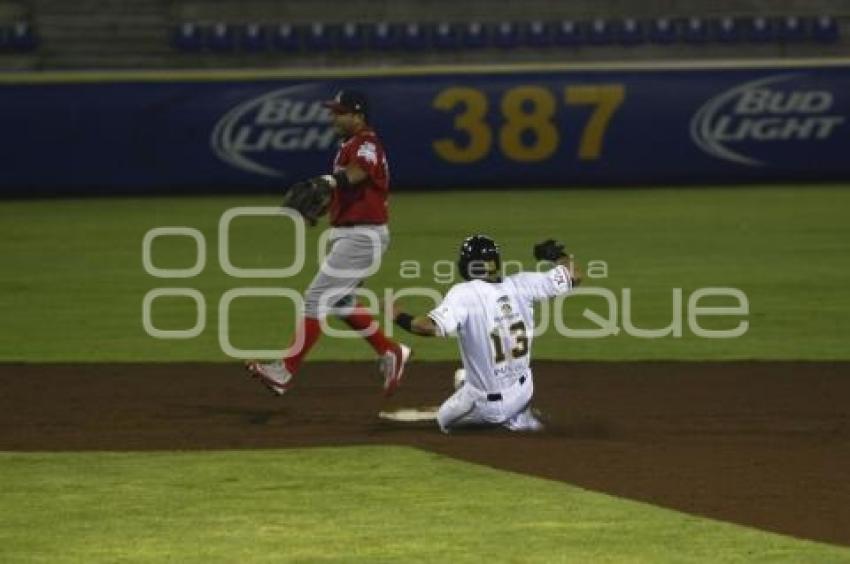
(761, 444)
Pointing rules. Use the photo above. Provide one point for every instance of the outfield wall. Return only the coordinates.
(545, 125)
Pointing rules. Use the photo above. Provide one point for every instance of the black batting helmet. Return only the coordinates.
(476, 255)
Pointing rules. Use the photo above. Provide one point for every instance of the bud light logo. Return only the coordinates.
(765, 111)
(261, 134)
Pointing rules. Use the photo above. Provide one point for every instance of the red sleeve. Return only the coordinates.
(364, 153)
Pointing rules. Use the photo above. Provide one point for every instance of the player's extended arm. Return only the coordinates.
(553, 251)
(421, 325)
(574, 269)
(343, 179)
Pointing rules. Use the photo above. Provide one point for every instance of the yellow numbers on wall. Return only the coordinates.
(528, 109)
(527, 131)
(470, 121)
(606, 99)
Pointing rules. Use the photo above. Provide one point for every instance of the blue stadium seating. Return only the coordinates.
(825, 29)
(221, 37)
(420, 36)
(21, 37)
(537, 34)
(567, 32)
(446, 36)
(254, 38)
(760, 30)
(415, 36)
(695, 30)
(792, 28)
(385, 37)
(475, 35)
(352, 37)
(287, 37)
(506, 35)
(663, 31)
(726, 30)
(188, 36)
(599, 32)
(320, 36)
(630, 32)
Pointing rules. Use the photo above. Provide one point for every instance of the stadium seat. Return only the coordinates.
(761, 30)
(446, 36)
(385, 36)
(630, 32)
(792, 28)
(320, 37)
(221, 37)
(567, 32)
(352, 37)
(21, 37)
(475, 35)
(599, 32)
(726, 30)
(415, 36)
(188, 37)
(664, 31)
(825, 29)
(254, 38)
(537, 34)
(506, 35)
(287, 37)
(695, 30)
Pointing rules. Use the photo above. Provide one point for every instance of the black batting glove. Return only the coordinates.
(550, 250)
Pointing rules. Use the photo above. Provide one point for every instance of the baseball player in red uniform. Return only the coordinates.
(359, 237)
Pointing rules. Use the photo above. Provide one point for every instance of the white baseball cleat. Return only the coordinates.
(273, 375)
(391, 366)
(527, 421)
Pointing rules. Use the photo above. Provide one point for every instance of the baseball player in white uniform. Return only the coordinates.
(493, 320)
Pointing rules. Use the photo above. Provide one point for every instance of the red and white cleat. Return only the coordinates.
(391, 366)
(273, 375)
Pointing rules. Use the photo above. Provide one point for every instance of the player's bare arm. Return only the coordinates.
(350, 176)
(421, 325)
(355, 174)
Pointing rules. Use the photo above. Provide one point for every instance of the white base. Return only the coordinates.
(410, 414)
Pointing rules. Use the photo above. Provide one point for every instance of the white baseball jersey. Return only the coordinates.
(494, 324)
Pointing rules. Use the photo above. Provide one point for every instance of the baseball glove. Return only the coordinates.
(550, 250)
(310, 197)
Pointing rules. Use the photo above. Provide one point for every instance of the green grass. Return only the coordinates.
(72, 289)
(350, 504)
(73, 281)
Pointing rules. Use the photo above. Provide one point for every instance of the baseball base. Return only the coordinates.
(410, 414)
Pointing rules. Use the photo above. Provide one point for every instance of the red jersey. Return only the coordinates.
(366, 202)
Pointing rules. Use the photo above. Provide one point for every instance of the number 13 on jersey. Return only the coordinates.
(518, 342)
(528, 132)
